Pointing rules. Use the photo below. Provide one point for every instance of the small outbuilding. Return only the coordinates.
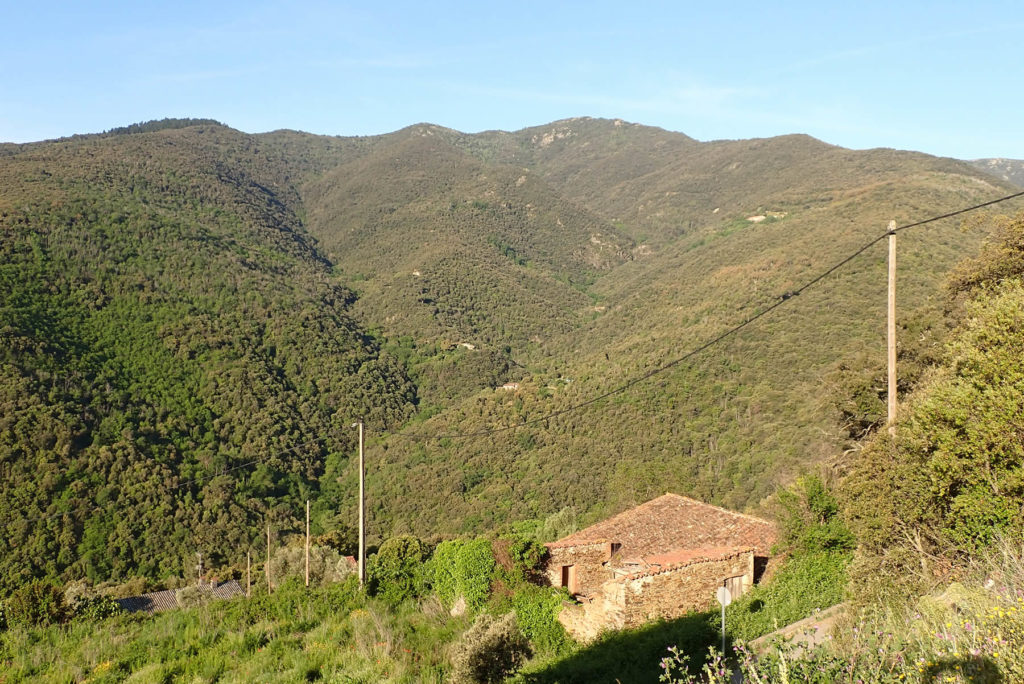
(661, 559)
(157, 601)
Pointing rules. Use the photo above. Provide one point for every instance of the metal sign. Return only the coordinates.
(724, 597)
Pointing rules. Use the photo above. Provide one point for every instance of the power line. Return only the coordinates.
(600, 397)
(715, 340)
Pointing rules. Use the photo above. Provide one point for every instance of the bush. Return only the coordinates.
(463, 568)
(442, 567)
(343, 539)
(518, 557)
(37, 603)
(474, 567)
(396, 571)
(84, 602)
(490, 650)
(326, 565)
(810, 519)
(536, 611)
(805, 583)
(191, 596)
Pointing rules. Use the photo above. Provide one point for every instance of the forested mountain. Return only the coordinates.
(191, 317)
(165, 318)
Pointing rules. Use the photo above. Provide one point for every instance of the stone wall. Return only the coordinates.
(589, 561)
(676, 592)
(635, 600)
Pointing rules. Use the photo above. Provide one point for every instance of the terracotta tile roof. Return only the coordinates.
(666, 562)
(673, 523)
(686, 556)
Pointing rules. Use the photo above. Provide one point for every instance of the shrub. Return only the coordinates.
(442, 566)
(536, 611)
(490, 650)
(474, 567)
(396, 570)
(463, 568)
(37, 603)
(326, 564)
(190, 596)
(805, 583)
(520, 558)
(84, 602)
(344, 539)
(810, 518)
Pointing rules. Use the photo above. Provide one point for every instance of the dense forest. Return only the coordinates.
(192, 317)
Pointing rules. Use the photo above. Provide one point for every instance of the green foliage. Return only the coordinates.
(191, 596)
(474, 569)
(489, 651)
(629, 655)
(333, 633)
(161, 125)
(956, 633)
(96, 608)
(810, 520)
(179, 343)
(37, 603)
(326, 565)
(806, 583)
(526, 557)
(463, 568)
(445, 580)
(165, 322)
(396, 572)
(952, 479)
(343, 539)
(536, 609)
(83, 602)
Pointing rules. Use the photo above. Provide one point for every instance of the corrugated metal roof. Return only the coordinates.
(157, 601)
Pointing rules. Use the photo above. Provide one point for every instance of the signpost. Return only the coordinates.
(724, 597)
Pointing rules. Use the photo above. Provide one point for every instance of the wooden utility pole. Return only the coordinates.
(891, 408)
(267, 568)
(362, 510)
(248, 574)
(307, 542)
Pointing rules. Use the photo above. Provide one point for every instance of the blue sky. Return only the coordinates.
(943, 78)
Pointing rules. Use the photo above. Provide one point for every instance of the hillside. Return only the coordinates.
(192, 316)
(164, 320)
(1010, 170)
(732, 425)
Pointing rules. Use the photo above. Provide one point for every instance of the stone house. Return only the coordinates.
(661, 559)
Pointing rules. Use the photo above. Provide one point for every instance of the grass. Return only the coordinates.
(332, 634)
(970, 631)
